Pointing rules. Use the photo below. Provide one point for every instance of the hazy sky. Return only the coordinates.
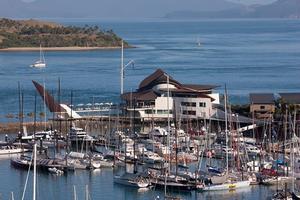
(132, 9)
(238, 1)
(253, 1)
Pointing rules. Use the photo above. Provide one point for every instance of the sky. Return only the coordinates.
(253, 1)
(237, 1)
(130, 9)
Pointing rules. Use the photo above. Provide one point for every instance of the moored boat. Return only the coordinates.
(4, 150)
(134, 180)
(226, 186)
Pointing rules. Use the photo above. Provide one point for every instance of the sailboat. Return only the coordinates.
(294, 162)
(198, 42)
(41, 62)
(135, 179)
(229, 184)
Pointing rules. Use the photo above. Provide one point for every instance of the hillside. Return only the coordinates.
(32, 33)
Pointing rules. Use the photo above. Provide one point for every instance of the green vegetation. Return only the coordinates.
(32, 33)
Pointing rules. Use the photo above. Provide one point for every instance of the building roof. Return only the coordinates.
(262, 98)
(291, 98)
(159, 76)
(200, 87)
(220, 115)
(142, 96)
(188, 90)
(145, 91)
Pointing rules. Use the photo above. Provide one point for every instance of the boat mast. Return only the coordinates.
(34, 123)
(122, 67)
(294, 139)
(285, 172)
(59, 99)
(134, 137)
(34, 173)
(45, 117)
(20, 110)
(226, 128)
(176, 140)
(168, 137)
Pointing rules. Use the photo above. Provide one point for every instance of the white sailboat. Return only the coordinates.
(134, 180)
(41, 63)
(227, 186)
(7, 150)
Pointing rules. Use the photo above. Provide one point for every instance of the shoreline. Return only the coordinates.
(22, 49)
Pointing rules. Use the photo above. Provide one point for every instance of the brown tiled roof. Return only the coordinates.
(291, 98)
(159, 76)
(262, 98)
(142, 96)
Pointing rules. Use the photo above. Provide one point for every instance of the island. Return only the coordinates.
(29, 35)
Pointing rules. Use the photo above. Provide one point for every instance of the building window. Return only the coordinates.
(189, 112)
(262, 107)
(150, 111)
(164, 111)
(188, 104)
(202, 104)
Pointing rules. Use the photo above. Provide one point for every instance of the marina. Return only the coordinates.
(169, 136)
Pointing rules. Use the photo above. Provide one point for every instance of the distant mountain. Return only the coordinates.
(278, 9)
(133, 9)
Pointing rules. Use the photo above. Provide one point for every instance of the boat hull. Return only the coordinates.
(120, 180)
(227, 186)
(11, 151)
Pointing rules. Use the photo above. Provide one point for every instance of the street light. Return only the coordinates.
(123, 67)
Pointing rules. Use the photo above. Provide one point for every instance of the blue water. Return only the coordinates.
(101, 186)
(247, 55)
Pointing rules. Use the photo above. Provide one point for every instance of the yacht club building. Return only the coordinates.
(152, 101)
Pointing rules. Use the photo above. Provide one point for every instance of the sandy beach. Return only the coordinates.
(57, 48)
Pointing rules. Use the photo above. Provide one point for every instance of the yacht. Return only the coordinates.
(135, 180)
(41, 63)
(151, 157)
(45, 135)
(78, 134)
(227, 186)
(252, 150)
(4, 150)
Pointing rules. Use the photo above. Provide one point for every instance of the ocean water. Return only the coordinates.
(101, 186)
(246, 55)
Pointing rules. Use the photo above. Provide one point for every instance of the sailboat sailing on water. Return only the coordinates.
(41, 62)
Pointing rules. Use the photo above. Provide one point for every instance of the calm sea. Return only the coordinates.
(247, 55)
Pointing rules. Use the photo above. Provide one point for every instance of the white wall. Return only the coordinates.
(216, 97)
(161, 104)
